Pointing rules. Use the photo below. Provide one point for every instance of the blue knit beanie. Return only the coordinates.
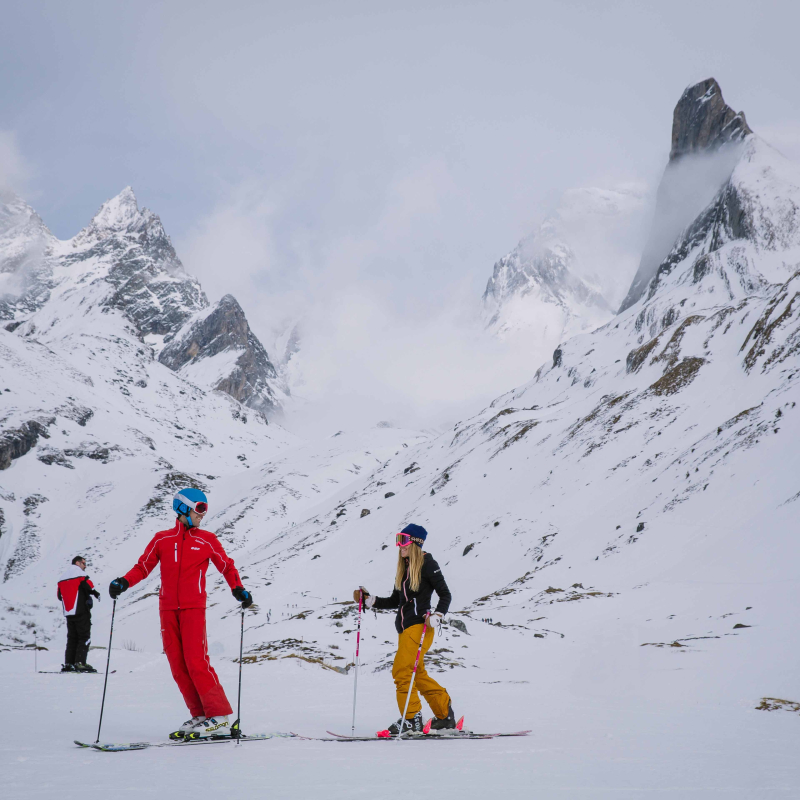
(416, 532)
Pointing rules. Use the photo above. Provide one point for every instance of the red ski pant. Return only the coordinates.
(184, 636)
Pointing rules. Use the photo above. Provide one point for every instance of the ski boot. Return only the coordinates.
(446, 724)
(211, 728)
(413, 725)
(80, 667)
(68, 668)
(186, 728)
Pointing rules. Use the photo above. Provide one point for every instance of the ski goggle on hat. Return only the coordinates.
(199, 506)
(405, 539)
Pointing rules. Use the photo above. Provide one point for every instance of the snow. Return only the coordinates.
(572, 272)
(626, 519)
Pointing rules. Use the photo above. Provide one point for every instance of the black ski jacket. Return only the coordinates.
(412, 606)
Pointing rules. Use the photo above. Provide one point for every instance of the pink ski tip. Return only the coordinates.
(427, 728)
(460, 724)
(383, 735)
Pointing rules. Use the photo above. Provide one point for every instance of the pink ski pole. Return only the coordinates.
(358, 646)
(413, 675)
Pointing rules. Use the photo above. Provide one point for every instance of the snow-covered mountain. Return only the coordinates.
(124, 260)
(655, 453)
(707, 136)
(570, 274)
(25, 244)
(630, 532)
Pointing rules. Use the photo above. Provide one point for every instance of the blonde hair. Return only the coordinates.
(415, 559)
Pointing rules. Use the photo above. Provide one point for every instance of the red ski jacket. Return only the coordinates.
(184, 554)
(69, 590)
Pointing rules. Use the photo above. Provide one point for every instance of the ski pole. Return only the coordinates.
(237, 732)
(35, 652)
(358, 645)
(413, 675)
(108, 661)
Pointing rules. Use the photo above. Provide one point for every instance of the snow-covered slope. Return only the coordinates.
(569, 275)
(124, 260)
(626, 520)
(654, 453)
(25, 243)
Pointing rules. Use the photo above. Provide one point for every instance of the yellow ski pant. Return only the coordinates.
(435, 695)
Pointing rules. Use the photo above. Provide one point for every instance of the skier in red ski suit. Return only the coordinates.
(184, 552)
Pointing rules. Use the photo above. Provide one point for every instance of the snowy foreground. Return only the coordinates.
(609, 718)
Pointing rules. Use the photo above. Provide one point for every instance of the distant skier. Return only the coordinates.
(75, 592)
(184, 552)
(418, 576)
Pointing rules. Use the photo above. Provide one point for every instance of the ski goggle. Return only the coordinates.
(405, 539)
(201, 507)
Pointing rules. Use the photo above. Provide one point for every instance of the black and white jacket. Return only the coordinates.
(412, 606)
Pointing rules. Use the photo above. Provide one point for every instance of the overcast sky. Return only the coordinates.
(372, 157)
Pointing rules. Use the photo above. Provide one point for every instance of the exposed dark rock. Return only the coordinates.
(151, 287)
(388, 494)
(96, 452)
(557, 356)
(226, 329)
(16, 442)
(678, 377)
(28, 544)
(702, 121)
(365, 512)
(468, 548)
(52, 455)
(79, 414)
(781, 316)
(458, 625)
(636, 358)
(702, 124)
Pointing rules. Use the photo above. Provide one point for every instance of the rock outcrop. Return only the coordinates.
(706, 138)
(213, 337)
(150, 284)
(16, 442)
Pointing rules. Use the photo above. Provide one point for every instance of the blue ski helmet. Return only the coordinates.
(187, 500)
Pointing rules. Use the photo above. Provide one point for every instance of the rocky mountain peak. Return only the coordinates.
(121, 216)
(235, 361)
(702, 121)
(707, 142)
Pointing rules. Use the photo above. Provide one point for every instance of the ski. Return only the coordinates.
(61, 672)
(111, 747)
(455, 735)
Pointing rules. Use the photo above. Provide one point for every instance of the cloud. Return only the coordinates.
(389, 317)
(15, 172)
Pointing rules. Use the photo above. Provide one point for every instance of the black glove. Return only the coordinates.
(96, 593)
(117, 587)
(243, 596)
